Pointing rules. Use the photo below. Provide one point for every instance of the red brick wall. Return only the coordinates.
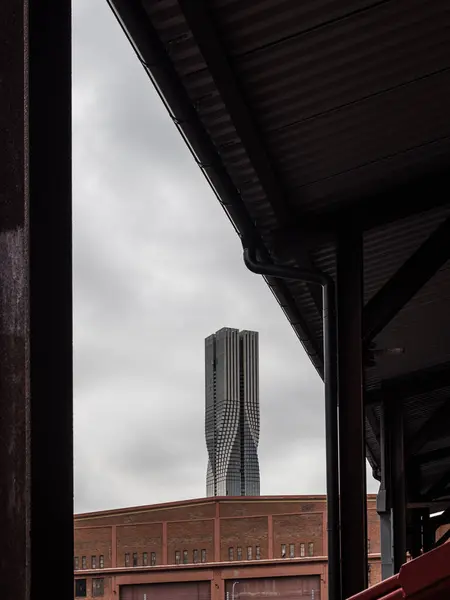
(93, 541)
(202, 510)
(373, 530)
(139, 538)
(297, 529)
(249, 509)
(243, 532)
(190, 536)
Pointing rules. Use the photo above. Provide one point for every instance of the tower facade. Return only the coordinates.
(232, 413)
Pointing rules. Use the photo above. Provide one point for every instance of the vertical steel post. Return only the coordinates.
(398, 485)
(352, 471)
(36, 473)
(384, 504)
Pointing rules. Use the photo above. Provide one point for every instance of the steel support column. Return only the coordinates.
(384, 501)
(353, 501)
(36, 473)
(398, 485)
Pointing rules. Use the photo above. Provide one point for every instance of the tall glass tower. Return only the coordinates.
(232, 413)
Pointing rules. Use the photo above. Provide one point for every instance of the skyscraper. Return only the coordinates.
(232, 413)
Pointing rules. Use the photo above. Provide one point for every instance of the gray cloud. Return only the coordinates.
(157, 267)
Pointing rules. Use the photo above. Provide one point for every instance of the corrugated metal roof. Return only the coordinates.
(315, 106)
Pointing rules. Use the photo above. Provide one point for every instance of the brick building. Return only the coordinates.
(198, 549)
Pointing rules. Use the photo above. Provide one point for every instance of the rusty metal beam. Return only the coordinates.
(36, 473)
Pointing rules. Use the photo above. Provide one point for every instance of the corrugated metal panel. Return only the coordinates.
(279, 588)
(194, 590)
(347, 100)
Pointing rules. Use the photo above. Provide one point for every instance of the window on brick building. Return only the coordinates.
(368, 546)
(311, 549)
(291, 550)
(153, 558)
(135, 559)
(76, 563)
(302, 549)
(93, 562)
(127, 559)
(231, 553)
(185, 557)
(145, 559)
(195, 556)
(368, 575)
(80, 588)
(258, 552)
(101, 561)
(283, 550)
(83, 562)
(203, 556)
(249, 553)
(177, 557)
(98, 587)
(239, 553)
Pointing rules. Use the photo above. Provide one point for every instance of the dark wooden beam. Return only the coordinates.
(408, 280)
(439, 487)
(433, 427)
(432, 456)
(424, 194)
(413, 384)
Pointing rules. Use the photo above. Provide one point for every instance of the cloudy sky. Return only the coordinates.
(157, 268)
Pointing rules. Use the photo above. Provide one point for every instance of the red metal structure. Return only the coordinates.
(426, 577)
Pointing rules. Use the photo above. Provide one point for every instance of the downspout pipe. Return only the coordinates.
(331, 398)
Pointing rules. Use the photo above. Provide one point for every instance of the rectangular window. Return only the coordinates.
(145, 559)
(231, 553)
(283, 550)
(203, 556)
(249, 553)
(239, 553)
(83, 562)
(101, 561)
(195, 556)
(311, 549)
(368, 546)
(135, 559)
(258, 552)
(93, 562)
(185, 557)
(153, 558)
(127, 559)
(80, 588)
(302, 549)
(76, 563)
(177, 557)
(98, 587)
(368, 575)
(291, 550)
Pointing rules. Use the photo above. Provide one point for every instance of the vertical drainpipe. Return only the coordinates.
(331, 398)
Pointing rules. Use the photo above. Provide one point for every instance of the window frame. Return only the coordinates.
(283, 550)
(153, 559)
(258, 552)
(291, 550)
(95, 592)
(203, 555)
(310, 549)
(127, 559)
(80, 582)
(177, 557)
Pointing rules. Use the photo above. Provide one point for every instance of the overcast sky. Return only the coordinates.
(157, 268)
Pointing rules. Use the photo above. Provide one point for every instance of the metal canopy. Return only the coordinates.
(312, 119)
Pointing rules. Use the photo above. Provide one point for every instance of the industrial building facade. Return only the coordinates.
(199, 549)
(232, 413)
